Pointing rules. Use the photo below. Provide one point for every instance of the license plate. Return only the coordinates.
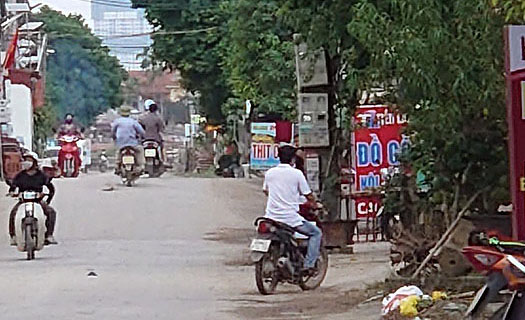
(260, 245)
(150, 153)
(29, 195)
(128, 160)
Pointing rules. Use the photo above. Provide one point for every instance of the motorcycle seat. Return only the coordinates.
(277, 224)
(280, 225)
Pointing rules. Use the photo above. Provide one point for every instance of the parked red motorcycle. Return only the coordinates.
(503, 263)
(69, 156)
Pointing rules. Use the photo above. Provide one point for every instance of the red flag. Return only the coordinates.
(10, 55)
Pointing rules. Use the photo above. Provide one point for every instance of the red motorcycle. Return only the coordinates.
(503, 263)
(69, 156)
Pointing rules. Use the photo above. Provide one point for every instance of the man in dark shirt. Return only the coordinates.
(31, 178)
(153, 125)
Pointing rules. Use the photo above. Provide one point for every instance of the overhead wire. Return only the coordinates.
(165, 6)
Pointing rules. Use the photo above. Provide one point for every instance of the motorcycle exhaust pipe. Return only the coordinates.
(284, 263)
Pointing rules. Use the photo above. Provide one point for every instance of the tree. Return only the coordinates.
(82, 78)
(195, 53)
(514, 11)
(442, 62)
(258, 58)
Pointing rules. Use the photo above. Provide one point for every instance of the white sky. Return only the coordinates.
(68, 6)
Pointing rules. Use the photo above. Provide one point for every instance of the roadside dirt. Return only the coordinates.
(340, 297)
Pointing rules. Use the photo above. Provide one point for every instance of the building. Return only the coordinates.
(22, 85)
(123, 29)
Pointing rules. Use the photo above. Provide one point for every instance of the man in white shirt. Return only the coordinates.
(285, 186)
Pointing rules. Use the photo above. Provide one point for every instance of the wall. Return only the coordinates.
(21, 113)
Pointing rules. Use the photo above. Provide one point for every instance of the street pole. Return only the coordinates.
(3, 14)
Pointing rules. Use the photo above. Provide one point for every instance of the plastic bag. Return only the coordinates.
(393, 300)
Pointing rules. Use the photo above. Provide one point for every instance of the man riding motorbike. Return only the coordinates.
(284, 186)
(152, 124)
(31, 178)
(127, 132)
(69, 128)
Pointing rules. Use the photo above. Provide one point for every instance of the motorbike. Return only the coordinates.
(69, 156)
(228, 166)
(278, 252)
(153, 157)
(128, 170)
(503, 263)
(103, 163)
(30, 224)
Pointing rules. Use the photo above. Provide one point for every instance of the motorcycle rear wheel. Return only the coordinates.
(30, 247)
(267, 283)
(313, 282)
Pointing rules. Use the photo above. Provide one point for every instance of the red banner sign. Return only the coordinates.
(377, 144)
(515, 73)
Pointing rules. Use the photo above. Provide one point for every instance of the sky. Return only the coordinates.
(68, 6)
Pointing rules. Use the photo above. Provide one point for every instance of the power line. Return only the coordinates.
(165, 6)
(132, 35)
(158, 33)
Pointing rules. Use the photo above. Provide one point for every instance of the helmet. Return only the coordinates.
(30, 160)
(148, 103)
(32, 155)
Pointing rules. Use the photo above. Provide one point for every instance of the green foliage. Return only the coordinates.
(443, 63)
(44, 120)
(195, 54)
(514, 11)
(247, 55)
(82, 78)
(323, 24)
(258, 58)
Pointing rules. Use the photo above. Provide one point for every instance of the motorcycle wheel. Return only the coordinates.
(266, 276)
(129, 179)
(103, 168)
(313, 282)
(30, 247)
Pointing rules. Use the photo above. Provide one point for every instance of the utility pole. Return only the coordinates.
(3, 14)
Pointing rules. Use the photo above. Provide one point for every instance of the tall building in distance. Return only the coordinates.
(119, 27)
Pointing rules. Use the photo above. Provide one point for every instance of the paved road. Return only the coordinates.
(145, 243)
(150, 247)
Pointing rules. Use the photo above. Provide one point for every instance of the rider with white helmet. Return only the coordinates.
(152, 122)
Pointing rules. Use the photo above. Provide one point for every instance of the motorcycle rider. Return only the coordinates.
(69, 128)
(152, 124)
(127, 132)
(31, 178)
(284, 185)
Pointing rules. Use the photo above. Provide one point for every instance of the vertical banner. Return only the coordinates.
(264, 150)
(515, 79)
(377, 144)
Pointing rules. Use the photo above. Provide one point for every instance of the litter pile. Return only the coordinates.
(410, 302)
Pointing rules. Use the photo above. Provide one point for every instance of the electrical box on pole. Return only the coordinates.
(313, 120)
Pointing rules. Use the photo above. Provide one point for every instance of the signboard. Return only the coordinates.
(515, 76)
(377, 144)
(312, 172)
(264, 150)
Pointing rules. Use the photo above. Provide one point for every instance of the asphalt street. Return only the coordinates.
(169, 248)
